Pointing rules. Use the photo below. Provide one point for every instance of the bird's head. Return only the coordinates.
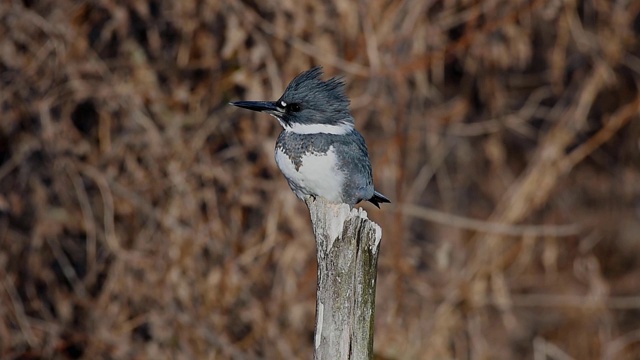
(309, 105)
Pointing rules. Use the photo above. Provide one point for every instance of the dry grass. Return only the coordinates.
(143, 218)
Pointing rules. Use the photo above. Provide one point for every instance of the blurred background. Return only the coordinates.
(141, 217)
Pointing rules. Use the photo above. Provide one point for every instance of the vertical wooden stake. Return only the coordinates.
(347, 250)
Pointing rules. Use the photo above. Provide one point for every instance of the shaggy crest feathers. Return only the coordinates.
(328, 96)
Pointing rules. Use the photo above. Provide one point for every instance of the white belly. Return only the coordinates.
(318, 175)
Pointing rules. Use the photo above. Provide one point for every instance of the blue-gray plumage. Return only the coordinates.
(319, 152)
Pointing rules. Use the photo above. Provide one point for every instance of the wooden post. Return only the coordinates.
(347, 250)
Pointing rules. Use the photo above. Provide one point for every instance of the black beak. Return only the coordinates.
(262, 106)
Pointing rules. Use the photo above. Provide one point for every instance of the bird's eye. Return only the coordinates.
(294, 107)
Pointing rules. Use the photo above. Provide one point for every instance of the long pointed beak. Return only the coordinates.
(262, 106)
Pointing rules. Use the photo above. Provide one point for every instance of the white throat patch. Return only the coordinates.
(340, 129)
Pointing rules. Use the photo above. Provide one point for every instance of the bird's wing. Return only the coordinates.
(355, 165)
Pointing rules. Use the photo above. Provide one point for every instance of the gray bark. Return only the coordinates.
(347, 250)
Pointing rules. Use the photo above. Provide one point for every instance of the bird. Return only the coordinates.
(319, 151)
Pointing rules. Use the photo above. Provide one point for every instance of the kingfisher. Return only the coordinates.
(320, 152)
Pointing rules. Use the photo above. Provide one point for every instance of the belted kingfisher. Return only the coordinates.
(320, 152)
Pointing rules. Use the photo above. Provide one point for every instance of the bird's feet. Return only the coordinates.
(309, 199)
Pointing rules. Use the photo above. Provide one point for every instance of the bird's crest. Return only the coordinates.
(309, 87)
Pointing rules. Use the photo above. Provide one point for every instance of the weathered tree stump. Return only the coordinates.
(347, 250)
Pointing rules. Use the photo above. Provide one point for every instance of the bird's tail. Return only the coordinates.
(378, 198)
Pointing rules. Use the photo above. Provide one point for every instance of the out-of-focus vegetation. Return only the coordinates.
(143, 218)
